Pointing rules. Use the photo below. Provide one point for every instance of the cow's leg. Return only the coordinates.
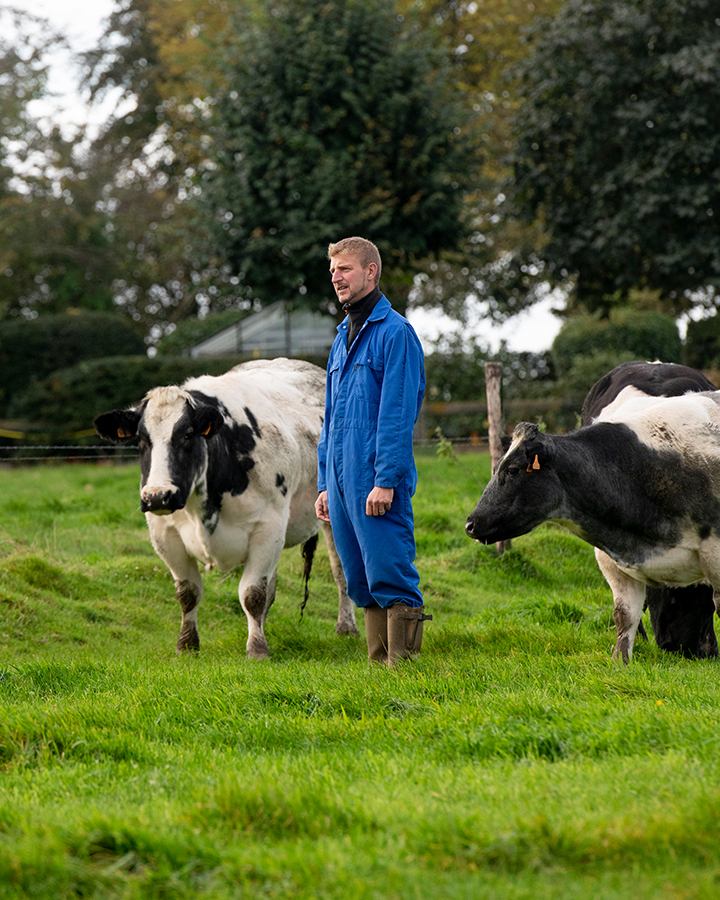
(710, 564)
(346, 609)
(188, 581)
(257, 586)
(628, 600)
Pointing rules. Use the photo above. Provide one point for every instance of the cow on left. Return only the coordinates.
(228, 478)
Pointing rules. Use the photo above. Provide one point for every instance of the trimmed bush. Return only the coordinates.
(32, 350)
(702, 343)
(69, 399)
(628, 334)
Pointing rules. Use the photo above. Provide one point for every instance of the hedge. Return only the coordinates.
(69, 399)
(33, 349)
(644, 334)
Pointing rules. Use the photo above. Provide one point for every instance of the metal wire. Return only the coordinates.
(90, 451)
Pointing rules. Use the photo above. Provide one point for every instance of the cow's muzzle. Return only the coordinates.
(160, 502)
(470, 531)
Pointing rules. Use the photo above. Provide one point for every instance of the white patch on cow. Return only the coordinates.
(628, 393)
(689, 424)
(165, 406)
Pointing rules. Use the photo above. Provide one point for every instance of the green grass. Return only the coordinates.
(513, 760)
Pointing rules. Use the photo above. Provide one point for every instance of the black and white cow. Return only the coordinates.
(641, 484)
(228, 478)
(681, 618)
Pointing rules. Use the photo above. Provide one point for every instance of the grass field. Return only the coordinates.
(513, 760)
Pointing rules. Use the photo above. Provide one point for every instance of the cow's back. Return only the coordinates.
(285, 396)
(638, 379)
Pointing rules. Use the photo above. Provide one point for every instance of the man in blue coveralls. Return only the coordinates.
(366, 468)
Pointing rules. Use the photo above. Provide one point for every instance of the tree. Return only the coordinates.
(497, 264)
(619, 148)
(337, 119)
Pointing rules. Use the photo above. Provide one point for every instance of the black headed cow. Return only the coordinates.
(641, 484)
(681, 618)
(228, 478)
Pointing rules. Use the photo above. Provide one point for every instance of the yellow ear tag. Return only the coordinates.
(122, 433)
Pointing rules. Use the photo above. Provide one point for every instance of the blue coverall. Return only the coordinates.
(373, 396)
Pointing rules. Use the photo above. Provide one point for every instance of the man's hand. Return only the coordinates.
(321, 507)
(379, 501)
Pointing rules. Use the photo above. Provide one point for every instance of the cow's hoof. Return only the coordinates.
(188, 639)
(258, 650)
(347, 628)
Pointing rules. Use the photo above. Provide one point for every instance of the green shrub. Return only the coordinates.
(69, 399)
(702, 344)
(31, 350)
(627, 334)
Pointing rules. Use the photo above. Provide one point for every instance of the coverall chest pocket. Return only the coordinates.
(333, 377)
(368, 377)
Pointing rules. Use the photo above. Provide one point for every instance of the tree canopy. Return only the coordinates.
(618, 147)
(336, 119)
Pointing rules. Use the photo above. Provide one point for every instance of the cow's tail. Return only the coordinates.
(308, 553)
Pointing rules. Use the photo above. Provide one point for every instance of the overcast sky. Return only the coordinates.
(82, 21)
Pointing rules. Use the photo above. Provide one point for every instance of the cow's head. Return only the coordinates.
(522, 493)
(172, 427)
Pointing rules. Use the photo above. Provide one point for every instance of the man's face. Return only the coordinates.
(350, 280)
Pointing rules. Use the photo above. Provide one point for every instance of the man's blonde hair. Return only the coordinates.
(364, 250)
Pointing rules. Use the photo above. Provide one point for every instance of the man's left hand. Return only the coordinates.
(379, 501)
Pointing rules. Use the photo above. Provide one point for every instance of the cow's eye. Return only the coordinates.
(189, 435)
(513, 470)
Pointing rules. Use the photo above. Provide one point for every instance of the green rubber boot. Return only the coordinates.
(376, 633)
(404, 631)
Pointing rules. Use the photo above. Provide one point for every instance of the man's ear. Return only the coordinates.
(118, 426)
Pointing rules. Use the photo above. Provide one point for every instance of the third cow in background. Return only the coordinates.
(681, 617)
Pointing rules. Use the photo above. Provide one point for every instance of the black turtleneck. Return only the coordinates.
(359, 312)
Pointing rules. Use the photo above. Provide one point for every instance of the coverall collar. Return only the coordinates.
(382, 308)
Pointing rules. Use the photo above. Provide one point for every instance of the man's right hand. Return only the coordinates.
(321, 507)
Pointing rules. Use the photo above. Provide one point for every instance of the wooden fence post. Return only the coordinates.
(493, 383)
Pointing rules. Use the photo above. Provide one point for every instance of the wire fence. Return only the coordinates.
(34, 453)
(26, 454)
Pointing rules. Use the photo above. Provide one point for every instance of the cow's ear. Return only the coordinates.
(538, 454)
(208, 420)
(118, 426)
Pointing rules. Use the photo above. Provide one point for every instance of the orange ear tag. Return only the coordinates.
(535, 465)
(207, 430)
(122, 433)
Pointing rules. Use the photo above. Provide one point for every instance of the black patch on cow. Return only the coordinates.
(188, 638)
(187, 595)
(653, 379)
(186, 456)
(229, 460)
(280, 483)
(253, 422)
(255, 598)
